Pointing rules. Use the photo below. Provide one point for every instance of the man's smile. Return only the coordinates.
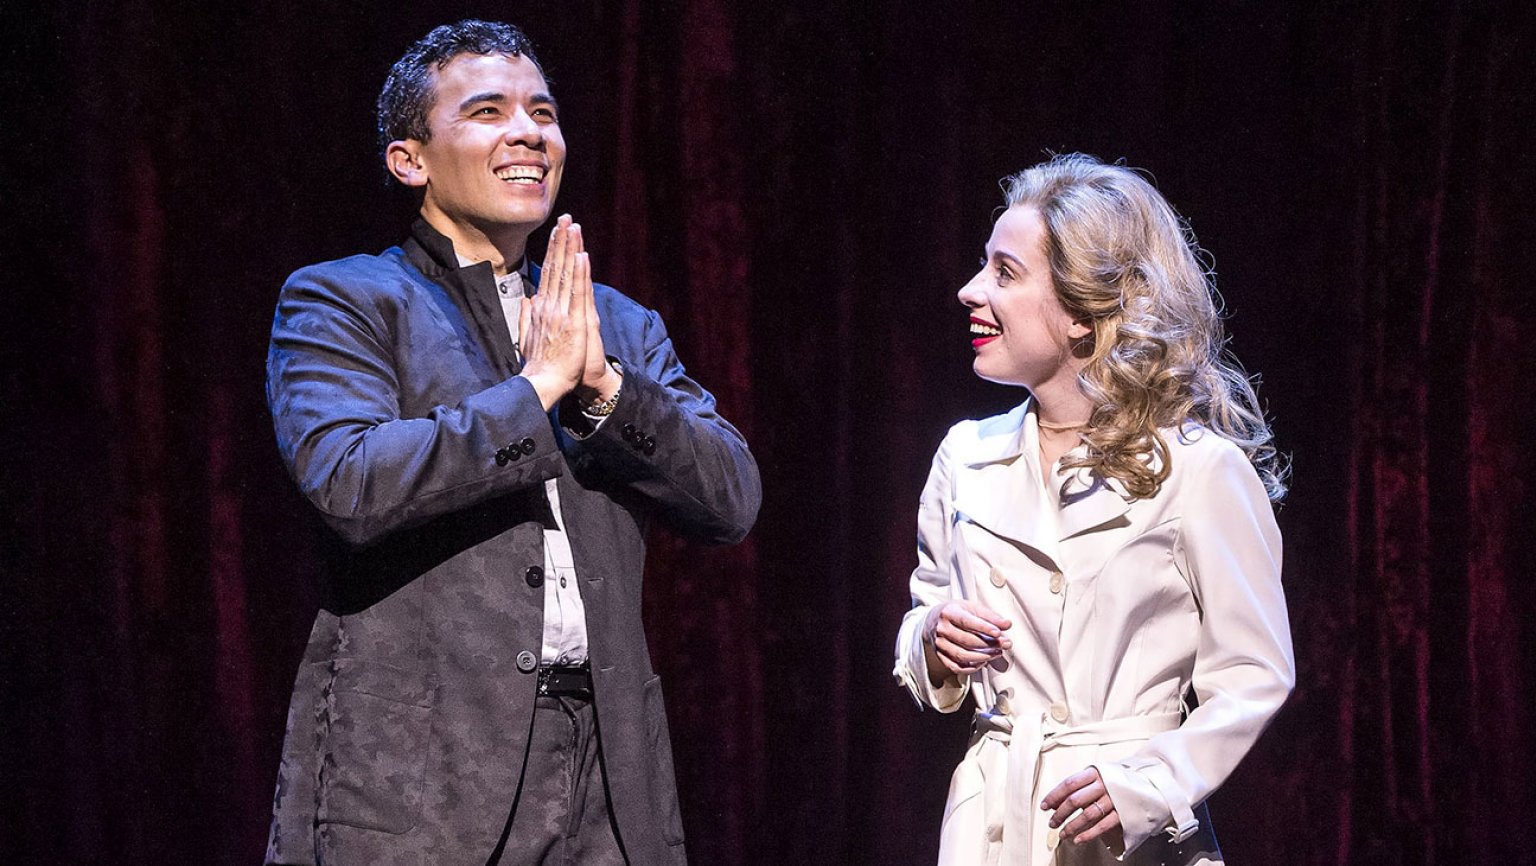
(521, 174)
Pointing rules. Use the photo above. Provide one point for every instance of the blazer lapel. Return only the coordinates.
(473, 290)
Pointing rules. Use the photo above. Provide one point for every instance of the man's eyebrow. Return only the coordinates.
(496, 96)
(485, 96)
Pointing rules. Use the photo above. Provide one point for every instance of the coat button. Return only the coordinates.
(650, 446)
(1057, 582)
(998, 579)
(527, 662)
(527, 445)
(1059, 712)
(501, 458)
(534, 576)
(628, 432)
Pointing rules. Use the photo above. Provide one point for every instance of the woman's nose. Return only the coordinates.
(970, 294)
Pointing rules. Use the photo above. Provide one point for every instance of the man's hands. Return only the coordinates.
(962, 637)
(1084, 791)
(558, 327)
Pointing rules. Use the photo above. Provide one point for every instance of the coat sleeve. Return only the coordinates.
(334, 393)
(930, 585)
(666, 444)
(1229, 550)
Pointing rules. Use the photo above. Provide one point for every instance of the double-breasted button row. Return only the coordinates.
(1000, 580)
(514, 451)
(534, 576)
(638, 439)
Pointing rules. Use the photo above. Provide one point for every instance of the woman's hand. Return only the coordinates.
(962, 637)
(1084, 791)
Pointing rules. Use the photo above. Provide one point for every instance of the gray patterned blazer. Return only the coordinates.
(391, 383)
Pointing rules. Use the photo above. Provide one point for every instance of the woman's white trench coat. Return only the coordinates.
(1118, 607)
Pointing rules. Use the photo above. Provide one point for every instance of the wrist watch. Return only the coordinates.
(604, 408)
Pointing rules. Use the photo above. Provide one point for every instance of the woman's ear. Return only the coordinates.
(404, 162)
(1080, 337)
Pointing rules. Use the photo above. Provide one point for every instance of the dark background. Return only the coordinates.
(799, 189)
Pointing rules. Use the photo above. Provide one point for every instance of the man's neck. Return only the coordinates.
(504, 251)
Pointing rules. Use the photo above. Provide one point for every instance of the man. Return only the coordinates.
(489, 462)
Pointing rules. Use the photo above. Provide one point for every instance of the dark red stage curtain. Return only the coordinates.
(799, 189)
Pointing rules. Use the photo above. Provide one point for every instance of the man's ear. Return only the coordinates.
(403, 160)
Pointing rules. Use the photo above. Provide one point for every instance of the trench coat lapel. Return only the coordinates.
(997, 483)
(1090, 503)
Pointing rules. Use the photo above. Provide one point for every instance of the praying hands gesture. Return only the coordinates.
(558, 327)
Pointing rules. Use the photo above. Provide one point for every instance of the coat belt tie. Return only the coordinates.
(1012, 784)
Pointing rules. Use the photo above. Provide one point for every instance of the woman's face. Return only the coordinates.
(1021, 333)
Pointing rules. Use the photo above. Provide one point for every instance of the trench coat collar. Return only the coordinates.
(1000, 487)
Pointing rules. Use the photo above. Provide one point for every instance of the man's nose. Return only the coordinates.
(523, 129)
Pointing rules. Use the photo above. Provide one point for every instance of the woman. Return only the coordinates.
(1088, 558)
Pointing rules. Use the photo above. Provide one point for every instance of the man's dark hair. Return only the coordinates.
(408, 92)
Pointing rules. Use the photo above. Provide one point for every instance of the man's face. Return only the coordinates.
(495, 157)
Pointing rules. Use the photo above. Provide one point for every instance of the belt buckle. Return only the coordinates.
(556, 680)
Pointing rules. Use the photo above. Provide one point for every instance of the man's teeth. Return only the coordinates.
(521, 174)
(981, 330)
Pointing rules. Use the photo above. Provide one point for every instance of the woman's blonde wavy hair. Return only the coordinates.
(1122, 259)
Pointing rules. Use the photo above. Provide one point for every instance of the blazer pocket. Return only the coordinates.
(379, 720)
(663, 781)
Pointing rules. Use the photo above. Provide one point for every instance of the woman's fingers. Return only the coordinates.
(962, 660)
(1094, 829)
(1084, 798)
(985, 626)
(992, 621)
(961, 634)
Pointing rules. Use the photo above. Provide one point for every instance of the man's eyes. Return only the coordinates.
(542, 113)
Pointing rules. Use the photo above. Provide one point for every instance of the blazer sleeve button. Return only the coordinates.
(527, 445)
(501, 458)
(527, 662)
(534, 576)
(628, 432)
(650, 445)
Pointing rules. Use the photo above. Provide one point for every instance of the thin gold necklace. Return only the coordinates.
(1059, 427)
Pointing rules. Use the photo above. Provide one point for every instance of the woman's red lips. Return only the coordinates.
(983, 332)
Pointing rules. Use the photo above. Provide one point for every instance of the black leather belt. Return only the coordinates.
(565, 681)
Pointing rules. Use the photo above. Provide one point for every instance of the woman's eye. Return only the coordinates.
(1004, 275)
